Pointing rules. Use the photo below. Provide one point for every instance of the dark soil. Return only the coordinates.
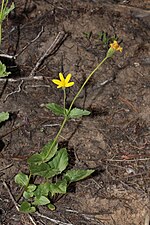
(114, 139)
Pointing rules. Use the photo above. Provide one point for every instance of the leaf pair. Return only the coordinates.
(59, 111)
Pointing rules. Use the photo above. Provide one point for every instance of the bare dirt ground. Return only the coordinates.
(114, 139)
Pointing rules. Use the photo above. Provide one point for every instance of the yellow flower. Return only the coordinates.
(116, 46)
(63, 82)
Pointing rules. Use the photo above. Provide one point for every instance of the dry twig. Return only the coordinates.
(129, 104)
(51, 50)
(26, 46)
(147, 219)
(17, 91)
(127, 160)
(7, 56)
(52, 220)
(6, 167)
(15, 203)
(22, 78)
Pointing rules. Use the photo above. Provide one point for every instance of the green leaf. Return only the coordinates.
(27, 195)
(4, 116)
(51, 173)
(40, 170)
(87, 34)
(3, 72)
(105, 38)
(43, 170)
(31, 188)
(22, 179)
(60, 161)
(58, 188)
(41, 201)
(77, 113)
(29, 191)
(76, 175)
(51, 207)
(42, 190)
(27, 208)
(48, 151)
(56, 109)
(6, 11)
(35, 159)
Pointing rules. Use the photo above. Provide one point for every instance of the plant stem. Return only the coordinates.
(64, 100)
(62, 126)
(65, 118)
(76, 96)
(87, 79)
(29, 180)
(1, 14)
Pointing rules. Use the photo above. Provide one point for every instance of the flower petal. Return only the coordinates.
(55, 81)
(61, 77)
(69, 84)
(116, 46)
(120, 49)
(68, 78)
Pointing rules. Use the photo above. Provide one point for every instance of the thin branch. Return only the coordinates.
(15, 203)
(127, 160)
(51, 50)
(11, 196)
(26, 46)
(147, 219)
(51, 125)
(6, 167)
(17, 91)
(89, 216)
(22, 78)
(38, 86)
(7, 56)
(52, 220)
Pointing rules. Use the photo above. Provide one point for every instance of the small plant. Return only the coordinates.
(3, 72)
(87, 35)
(4, 11)
(49, 176)
(107, 39)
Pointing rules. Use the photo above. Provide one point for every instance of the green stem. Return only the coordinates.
(64, 100)
(29, 179)
(65, 118)
(1, 14)
(83, 85)
(0, 32)
(60, 130)
(63, 123)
